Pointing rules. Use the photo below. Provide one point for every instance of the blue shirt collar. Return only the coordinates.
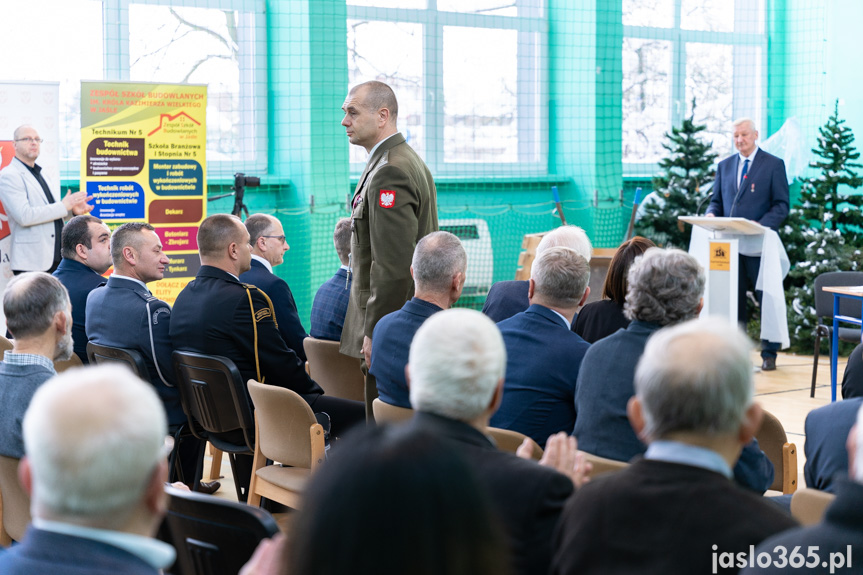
(685, 454)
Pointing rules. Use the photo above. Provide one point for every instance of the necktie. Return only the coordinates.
(745, 169)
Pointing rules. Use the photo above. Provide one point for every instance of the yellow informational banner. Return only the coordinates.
(143, 158)
(720, 256)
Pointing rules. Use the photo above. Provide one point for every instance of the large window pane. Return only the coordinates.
(709, 79)
(196, 46)
(497, 7)
(480, 95)
(37, 53)
(708, 15)
(646, 98)
(653, 13)
(402, 69)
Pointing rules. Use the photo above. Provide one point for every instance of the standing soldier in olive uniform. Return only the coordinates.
(394, 206)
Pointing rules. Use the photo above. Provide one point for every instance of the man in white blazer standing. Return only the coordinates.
(35, 211)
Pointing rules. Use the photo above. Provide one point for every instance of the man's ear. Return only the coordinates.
(155, 498)
(408, 376)
(531, 286)
(130, 256)
(383, 117)
(233, 251)
(412, 272)
(635, 415)
(700, 307)
(751, 423)
(81, 251)
(585, 296)
(60, 321)
(25, 475)
(496, 398)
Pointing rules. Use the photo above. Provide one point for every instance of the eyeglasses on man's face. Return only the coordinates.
(30, 140)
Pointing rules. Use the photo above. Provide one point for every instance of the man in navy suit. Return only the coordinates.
(86, 249)
(751, 184)
(543, 354)
(826, 430)
(124, 314)
(507, 298)
(268, 242)
(438, 270)
(331, 300)
(95, 470)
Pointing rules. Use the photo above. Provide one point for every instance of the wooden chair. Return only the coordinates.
(216, 404)
(602, 465)
(212, 536)
(59, 366)
(783, 455)
(14, 503)
(286, 432)
(387, 413)
(337, 374)
(808, 505)
(5, 345)
(510, 441)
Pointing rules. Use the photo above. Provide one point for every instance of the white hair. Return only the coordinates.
(695, 377)
(740, 121)
(572, 237)
(456, 360)
(94, 437)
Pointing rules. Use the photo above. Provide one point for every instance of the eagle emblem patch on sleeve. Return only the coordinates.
(387, 198)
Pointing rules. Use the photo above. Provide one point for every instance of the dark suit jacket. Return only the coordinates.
(330, 307)
(852, 379)
(394, 206)
(527, 496)
(79, 281)
(507, 298)
(762, 198)
(605, 384)
(543, 357)
(117, 316)
(826, 431)
(212, 316)
(659, 517)
(287, 317)
(599, 319)
(48, 553)
(842, 526)
(390, 346)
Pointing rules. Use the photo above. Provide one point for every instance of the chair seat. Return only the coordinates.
(290, 478)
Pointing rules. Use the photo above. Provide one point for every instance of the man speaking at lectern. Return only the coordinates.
(751, 184)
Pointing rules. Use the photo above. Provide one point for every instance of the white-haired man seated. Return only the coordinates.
(95, 469)
(456, 368)
(673, 509)
(507, 298)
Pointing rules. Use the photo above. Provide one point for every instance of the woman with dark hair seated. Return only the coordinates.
(602, 318)
(388, 502)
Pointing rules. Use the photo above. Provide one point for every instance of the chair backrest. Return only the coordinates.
(5, 345)
(213, 536)
(214, 396)
(773, 441)
(508, 440)
(134, 360)
(602, 465)
(387, 413)
(287, 429)
(808, 505)
(73, 361)
(14, 501)
(337, 374)
(824, 300)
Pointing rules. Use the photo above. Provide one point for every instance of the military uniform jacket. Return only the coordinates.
(394, 206)
(213, 315)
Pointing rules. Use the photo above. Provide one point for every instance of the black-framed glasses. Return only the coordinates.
(30, 140)
(280, 238)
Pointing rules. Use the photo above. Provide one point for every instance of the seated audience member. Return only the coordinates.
(827, 428)
(507, 298)
(86, 251)
(124, 314)
(852, 380)
(665, 287)
(438, 268)
(670, 510)
(543, 354)
(331, 299)
(268, 251)
(838, 540)
(602, 318)
(217, 314)
(456, 370)
(39, 316)
(405, 490)
(95, 470)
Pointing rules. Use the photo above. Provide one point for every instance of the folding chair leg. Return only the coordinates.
(815, 361)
